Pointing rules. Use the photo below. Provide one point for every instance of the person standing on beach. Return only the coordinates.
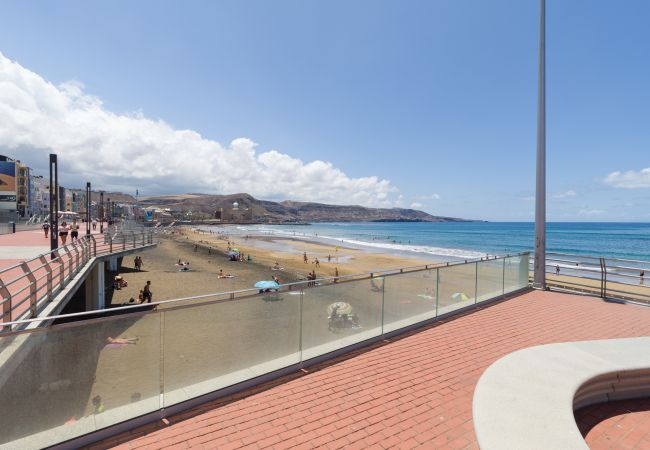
(329, 258)
(147, 295)
(304, 257)
(46, 228)
(317, 262)
(641, 275)
(557, 270)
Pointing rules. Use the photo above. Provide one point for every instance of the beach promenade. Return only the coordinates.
(412, 392)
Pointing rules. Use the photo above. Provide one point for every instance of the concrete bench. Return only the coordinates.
(526, 399)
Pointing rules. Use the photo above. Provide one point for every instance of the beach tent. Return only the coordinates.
(459, 296)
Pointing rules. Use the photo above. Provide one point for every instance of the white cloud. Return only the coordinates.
(591, 212)
(630, 179)
(125, 151)
(569, 193)
(416, 205)
(433, 196)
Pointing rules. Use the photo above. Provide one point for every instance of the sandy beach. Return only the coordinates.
(207, 255)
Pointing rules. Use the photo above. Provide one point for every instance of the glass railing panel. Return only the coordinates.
(515, 274)
(69, 380)
(215, 345)
(490, 279)
(409, 298)
(456, 287)
(340, 314)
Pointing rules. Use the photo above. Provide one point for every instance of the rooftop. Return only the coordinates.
(415, 391)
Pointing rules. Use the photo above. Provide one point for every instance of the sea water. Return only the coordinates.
(465, 240)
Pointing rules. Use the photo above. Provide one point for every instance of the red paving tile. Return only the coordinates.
(413, 392)
(622, 424)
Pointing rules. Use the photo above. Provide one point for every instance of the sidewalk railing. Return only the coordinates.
(27, 286)
(615, 278)
(107, 370)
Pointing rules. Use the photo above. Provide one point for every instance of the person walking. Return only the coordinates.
(317, 262)
(63, 232)
(74, 231)
(304, 257)
(94, 224)
(147, 295)
(46, 228)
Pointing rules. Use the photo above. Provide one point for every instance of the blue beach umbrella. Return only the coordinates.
(267, 285)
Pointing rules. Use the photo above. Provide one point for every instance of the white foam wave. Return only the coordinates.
(393, 247)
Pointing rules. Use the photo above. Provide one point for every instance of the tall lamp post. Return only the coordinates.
(88, 208)
(539, 279)
(54, 203)
(101, 212)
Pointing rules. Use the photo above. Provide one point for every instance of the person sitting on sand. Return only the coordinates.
(276, 266)
(276, 279)
(224, 275)
(140, 296)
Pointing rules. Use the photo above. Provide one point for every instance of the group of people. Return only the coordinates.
(137, 263)
(64, 229)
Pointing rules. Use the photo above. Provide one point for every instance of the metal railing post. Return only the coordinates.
(6, 304)
(133, 236)
(94, 245)
(143, 238)
(70, 268)
(49, 277)
(503, 277)
(58, 256)
(110, 244)
(32, 288)
(604, 278)
(437, 289)
(76, 257)
(476, 285)
(300, 327)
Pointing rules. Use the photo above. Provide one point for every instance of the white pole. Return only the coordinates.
(539, 281)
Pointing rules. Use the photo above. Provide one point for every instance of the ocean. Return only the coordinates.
(465, 240)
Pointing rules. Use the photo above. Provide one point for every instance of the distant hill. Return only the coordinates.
(290, 211)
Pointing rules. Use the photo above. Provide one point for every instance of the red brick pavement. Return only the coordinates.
(624, 425)
(413, 392)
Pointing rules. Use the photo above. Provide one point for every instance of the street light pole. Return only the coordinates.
(54, 203)
(539, 280)
(101, 212)
(88, 208)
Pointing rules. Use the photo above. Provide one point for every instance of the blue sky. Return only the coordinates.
(436, 97)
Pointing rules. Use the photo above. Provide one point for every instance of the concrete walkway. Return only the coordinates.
(412, 392)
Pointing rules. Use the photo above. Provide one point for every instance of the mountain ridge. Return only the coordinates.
(291, 211)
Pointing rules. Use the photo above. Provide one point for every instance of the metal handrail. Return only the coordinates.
(251, 292)
(64, 263)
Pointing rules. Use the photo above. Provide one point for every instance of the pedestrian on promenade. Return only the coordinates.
(74, 232)
(63, 232)
(147, 295)
(46, 228)
(94, 224)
